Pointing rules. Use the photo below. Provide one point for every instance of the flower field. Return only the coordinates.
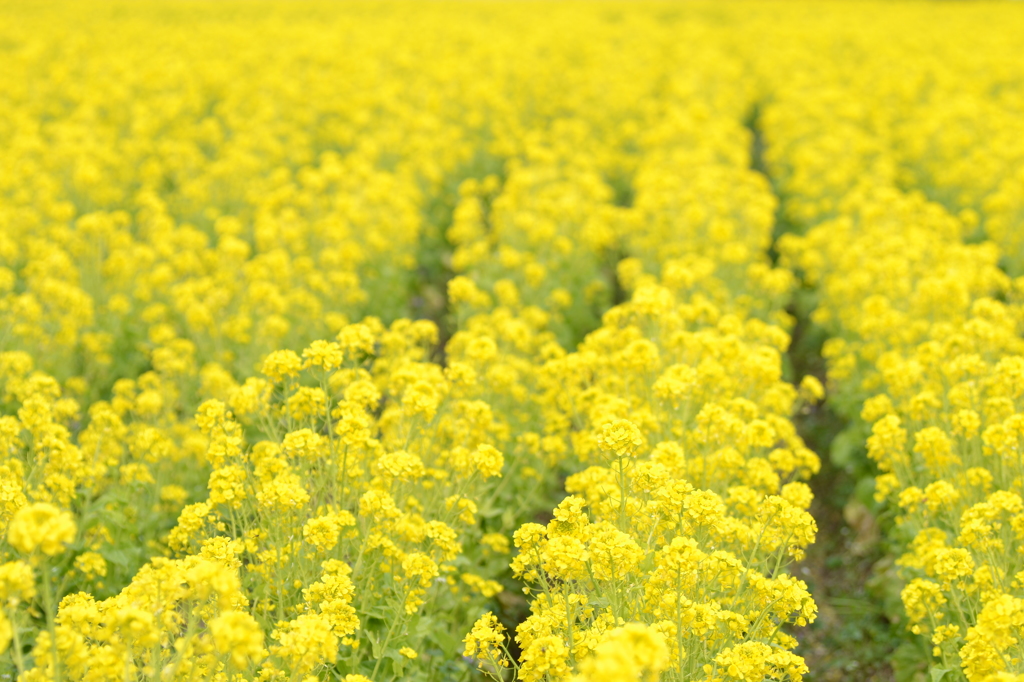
(549, 342)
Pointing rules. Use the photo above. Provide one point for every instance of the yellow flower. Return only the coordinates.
(6, 634)
(238, 634)
(322, 532)
(546, 657)
(305, 642)
(41, 526)
(326, 355)
(488, 460)
(631, 652)
(621, 437)
(91, 564)
(486, 641)
(17, 584)
(281, 364)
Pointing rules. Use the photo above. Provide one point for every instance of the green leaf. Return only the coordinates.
(374, 643)
(119, 557)
(490, 512)
(910, 661)
(420, 625)
(937, 673)
(378, 611)
(449, 642)
(845, 448)
(399, 661)
(864, 491)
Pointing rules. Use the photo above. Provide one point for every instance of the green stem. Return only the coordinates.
(51, 620)
(384, 647)
(19, 659)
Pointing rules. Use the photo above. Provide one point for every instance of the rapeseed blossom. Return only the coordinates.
(325, 335)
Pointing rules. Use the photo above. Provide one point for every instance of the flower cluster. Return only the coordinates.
(691, 505)
(906, 222)
(324, 334)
